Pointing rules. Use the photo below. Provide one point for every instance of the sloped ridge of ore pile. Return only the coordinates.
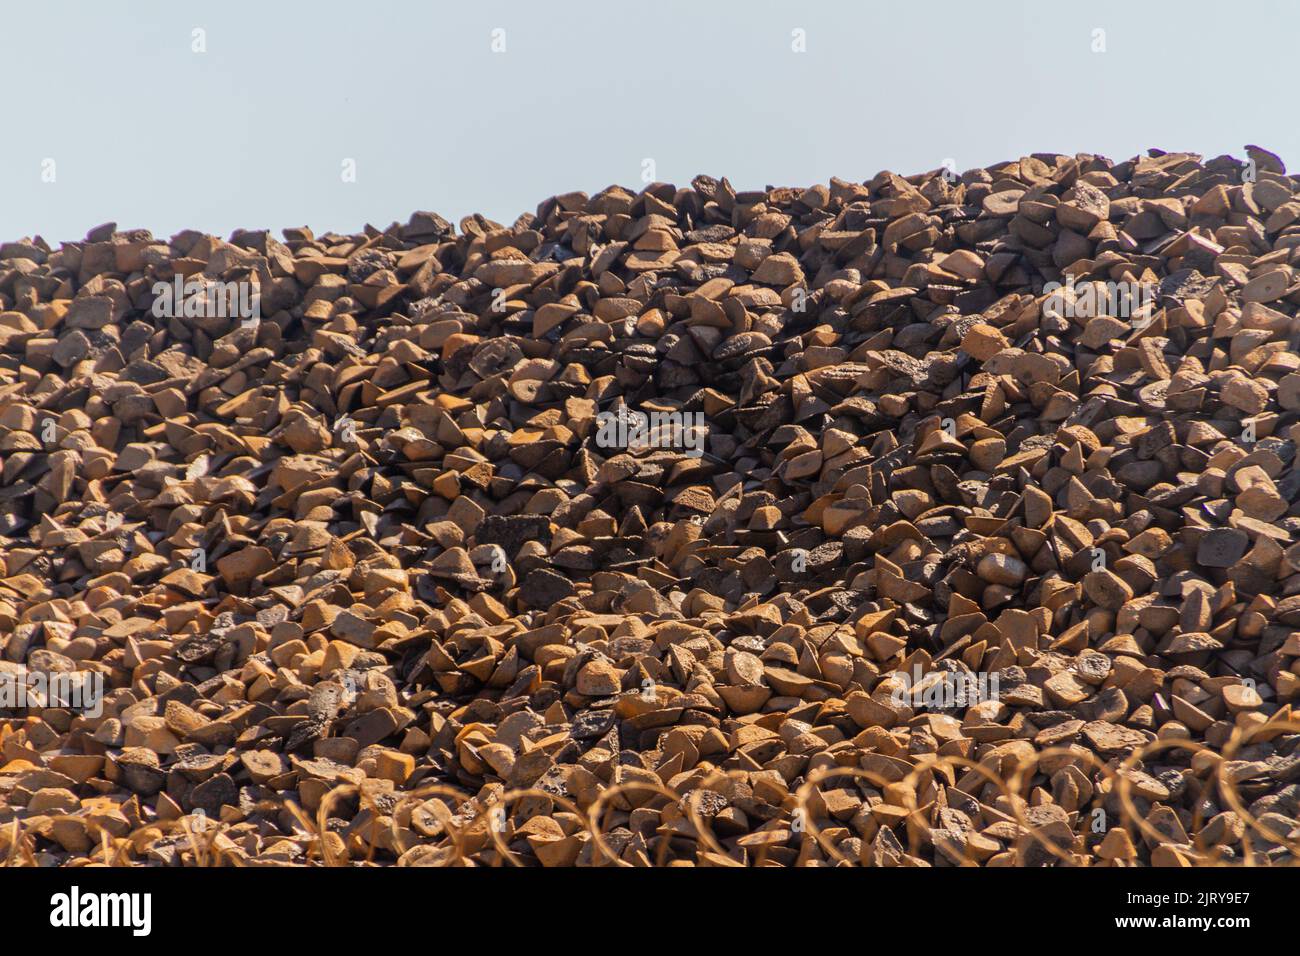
(364, 584)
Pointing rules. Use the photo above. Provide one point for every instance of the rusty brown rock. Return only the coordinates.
(680, 488)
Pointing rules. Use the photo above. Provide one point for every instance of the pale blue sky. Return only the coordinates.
(253, 132)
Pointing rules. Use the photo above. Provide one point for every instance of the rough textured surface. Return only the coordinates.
(965, 570)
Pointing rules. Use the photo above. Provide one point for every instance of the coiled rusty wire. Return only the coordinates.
(461, 830)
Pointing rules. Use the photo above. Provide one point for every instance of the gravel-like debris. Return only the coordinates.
(937, 520)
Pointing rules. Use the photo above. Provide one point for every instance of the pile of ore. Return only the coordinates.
(978, 544)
